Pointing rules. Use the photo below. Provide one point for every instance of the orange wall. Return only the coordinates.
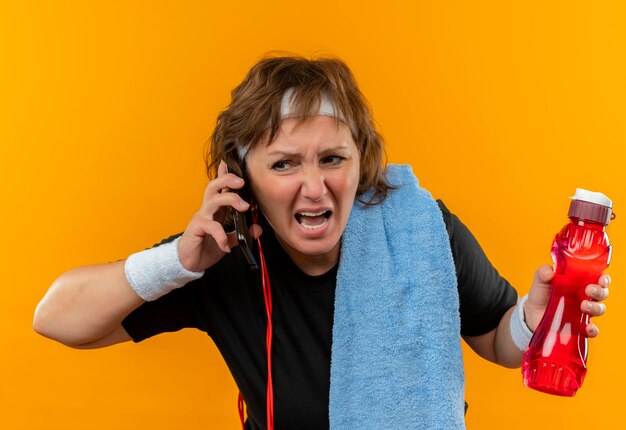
(502, 108)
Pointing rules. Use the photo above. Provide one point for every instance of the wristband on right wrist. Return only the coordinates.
(157, 271)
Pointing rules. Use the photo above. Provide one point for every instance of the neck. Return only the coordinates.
(312, 265)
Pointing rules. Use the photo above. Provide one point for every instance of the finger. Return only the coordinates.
(256, 231)
(592, 330)
(540, 289)
(222, 169)
(544, 274)
(597, 292)
(604, 281)
(222, 200)
(594, 309)
(203, 226)
(227, 181)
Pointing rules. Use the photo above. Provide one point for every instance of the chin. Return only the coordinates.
(316, 248)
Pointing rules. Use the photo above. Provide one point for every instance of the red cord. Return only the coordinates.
(267, 295)
(240, 408)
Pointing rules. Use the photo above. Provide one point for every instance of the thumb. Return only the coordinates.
(538, 296)
(544, 275)
(540, 289)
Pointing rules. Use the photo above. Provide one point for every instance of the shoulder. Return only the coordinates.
(448, 219)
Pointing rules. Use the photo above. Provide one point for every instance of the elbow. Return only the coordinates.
(39, 324)
(44, 325)
(47, 330)
(41, 320)
(48, 319)
(509, 364)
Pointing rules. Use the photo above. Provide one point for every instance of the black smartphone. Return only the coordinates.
(239, 220)
(244, 239)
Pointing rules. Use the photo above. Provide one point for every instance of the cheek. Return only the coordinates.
(343, 189)
(274, 195)
(351, 184)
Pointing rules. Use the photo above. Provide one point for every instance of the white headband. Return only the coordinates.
(327, 108)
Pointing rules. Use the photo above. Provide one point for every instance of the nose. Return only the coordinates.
(313, 185)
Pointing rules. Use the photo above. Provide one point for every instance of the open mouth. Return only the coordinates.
(313, 220)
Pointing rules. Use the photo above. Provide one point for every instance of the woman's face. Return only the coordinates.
(305, 183)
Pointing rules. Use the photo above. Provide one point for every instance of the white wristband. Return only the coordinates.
(157, 271)
(520, 332)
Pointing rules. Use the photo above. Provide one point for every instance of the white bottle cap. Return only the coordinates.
(592, 197)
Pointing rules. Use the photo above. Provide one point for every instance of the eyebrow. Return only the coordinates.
(284, 153)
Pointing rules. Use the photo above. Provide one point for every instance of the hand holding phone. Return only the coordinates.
(239, 220)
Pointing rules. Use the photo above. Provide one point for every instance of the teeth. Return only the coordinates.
(312, 213)
(306, 219)
(314, 227)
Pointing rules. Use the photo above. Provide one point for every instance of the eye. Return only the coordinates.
(282, 165)
(332, 160)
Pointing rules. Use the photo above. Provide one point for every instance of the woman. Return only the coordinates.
(309, 163)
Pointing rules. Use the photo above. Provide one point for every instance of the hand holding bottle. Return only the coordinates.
(556, 359)
(539, 295)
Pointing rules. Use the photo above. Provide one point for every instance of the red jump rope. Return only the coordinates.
(267, 295)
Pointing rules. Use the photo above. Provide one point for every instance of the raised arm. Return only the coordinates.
(84, 307)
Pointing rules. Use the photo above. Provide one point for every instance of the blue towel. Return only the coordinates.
(396, 356)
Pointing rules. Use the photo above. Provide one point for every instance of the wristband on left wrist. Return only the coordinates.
(520, 333)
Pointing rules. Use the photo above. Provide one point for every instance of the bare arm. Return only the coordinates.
(86, 305)
(497, 345)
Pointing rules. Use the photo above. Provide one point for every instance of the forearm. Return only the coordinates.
(86, 304)
(507, 354)
(497, 345)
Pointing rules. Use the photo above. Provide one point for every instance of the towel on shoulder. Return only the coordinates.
(396, 359)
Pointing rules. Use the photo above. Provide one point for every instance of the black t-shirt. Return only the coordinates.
(227, 303)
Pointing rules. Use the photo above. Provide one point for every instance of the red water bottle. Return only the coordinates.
(556, 360)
